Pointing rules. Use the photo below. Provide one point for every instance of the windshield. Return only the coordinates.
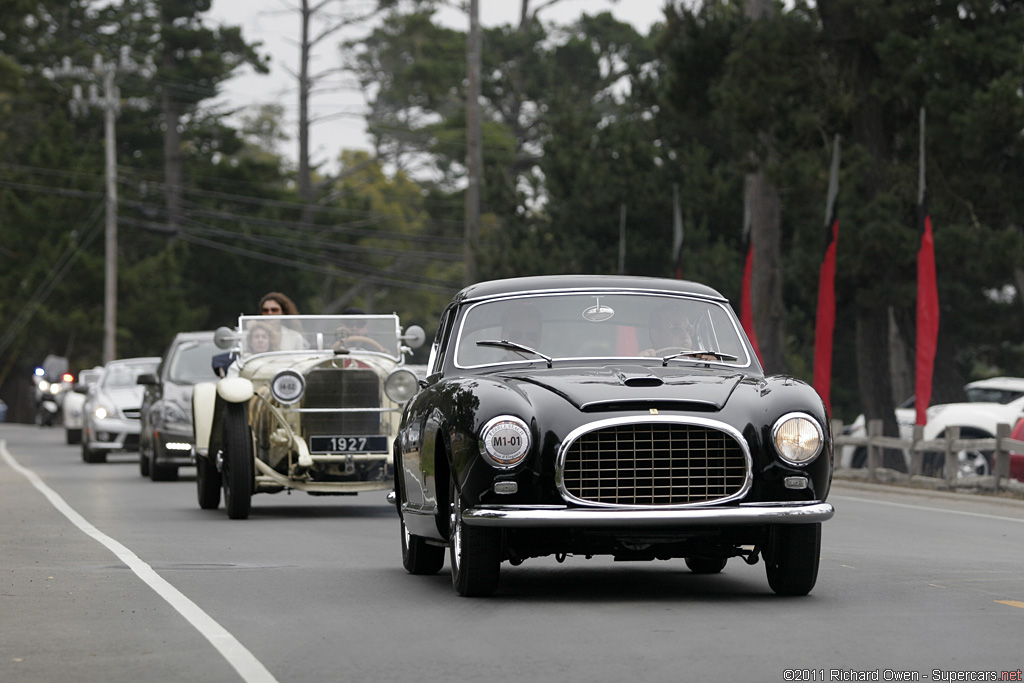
(599, 326)
(191, 362)
(125, 374)
(275, 333)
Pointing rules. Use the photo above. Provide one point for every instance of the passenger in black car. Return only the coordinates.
(672, 332)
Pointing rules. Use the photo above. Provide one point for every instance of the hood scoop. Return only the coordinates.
(638, 377)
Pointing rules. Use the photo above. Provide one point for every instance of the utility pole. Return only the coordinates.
(474, 144)
(104, 73)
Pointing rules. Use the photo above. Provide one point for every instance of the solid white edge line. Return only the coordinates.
(236, 654)
(927, 509)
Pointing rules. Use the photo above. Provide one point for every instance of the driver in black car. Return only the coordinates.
(671, 332)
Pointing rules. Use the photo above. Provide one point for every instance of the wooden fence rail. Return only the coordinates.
(921, 457)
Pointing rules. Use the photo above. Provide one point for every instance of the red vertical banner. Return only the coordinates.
(927, 319)
(927, 301)
(746, 310)
(825, 320)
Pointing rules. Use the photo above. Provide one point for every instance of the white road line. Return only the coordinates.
(243, 661)
(929, 509)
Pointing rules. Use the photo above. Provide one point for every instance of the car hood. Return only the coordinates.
(588, 388)
(180, 394)
(124, 397)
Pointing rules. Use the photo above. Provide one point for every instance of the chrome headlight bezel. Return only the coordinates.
(288, 387)
(798, 438)
(505, 441)
(401, 385)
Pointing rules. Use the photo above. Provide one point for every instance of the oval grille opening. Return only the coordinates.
(654, 464)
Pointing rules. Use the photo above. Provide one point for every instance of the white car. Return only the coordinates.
(112, 408)
(990, 402)
(72, 409)
(309, 403)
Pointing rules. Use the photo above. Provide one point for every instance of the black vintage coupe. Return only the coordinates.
(601, 415)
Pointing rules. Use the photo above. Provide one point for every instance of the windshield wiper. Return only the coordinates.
(513, 346)
(694, 354)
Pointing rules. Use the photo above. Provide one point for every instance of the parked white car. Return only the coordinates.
(72, 413)
(990, 402)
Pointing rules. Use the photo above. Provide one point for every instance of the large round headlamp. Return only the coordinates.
(287, 387)
(401, 385)
(505, 441)
(798, 438)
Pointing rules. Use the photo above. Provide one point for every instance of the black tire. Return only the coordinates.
(208, 483)
(144, 466)
(706, 565)
(791, 558)
(160, 471)
(237, 475)
(419, 557)
(73, 436)
(90, 456)
(474, 552)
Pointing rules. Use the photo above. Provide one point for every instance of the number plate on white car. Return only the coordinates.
(348, 444)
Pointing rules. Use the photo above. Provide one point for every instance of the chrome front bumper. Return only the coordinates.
(560, 517)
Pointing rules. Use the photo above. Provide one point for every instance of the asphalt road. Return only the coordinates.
(106, 576)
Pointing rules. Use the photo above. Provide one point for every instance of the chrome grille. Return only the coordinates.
(654, 463)
(342, 388)
(132, 413)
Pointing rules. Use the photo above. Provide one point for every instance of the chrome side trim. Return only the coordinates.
(548, 517)
(575, 434)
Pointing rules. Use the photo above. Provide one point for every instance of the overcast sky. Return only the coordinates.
(275, 23)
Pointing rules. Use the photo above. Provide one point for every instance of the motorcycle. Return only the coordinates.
(52, 382)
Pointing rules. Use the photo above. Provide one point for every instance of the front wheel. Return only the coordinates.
(791, 557)
(475, 552)
(207, 483)
(237, 475)
(418, 557)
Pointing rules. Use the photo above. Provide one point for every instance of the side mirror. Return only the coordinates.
(147, 378)
(225, 337)
(414, 337)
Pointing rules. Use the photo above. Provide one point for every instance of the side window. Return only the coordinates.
(437, 349)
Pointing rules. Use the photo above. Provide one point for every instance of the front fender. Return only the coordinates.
(204, 400)
(235, 389)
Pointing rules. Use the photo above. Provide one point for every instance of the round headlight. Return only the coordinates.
(401, 385)
(287, 386)
(101, 412)
(505, 441)
(798, 438)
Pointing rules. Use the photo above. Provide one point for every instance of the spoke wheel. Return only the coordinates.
(237, 475)
(791, 557)
(475, 552)
(706, 565)
(207, 483)
(418, 557)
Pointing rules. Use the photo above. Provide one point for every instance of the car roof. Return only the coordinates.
(554, 283)
(198, 335)
(1009, 383)
(130, 361)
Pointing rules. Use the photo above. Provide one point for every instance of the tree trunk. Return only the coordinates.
(763, 202)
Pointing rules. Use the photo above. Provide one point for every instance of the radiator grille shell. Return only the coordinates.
(654, 463)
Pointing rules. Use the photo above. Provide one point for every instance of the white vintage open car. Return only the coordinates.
(308, 402)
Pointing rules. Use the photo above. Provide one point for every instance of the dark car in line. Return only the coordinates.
(166, 441)
(607, 415)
